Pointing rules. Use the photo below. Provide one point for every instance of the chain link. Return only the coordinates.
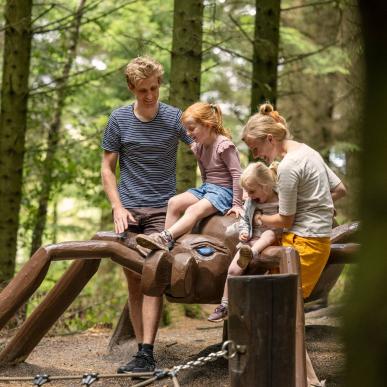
(199, 361)
(228, 351)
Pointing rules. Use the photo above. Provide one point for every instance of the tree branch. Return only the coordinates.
(309, 5)
(80, 83)
(244, 33)
(306, 55)
(41, 30)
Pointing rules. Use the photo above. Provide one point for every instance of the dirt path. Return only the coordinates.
(183, 341)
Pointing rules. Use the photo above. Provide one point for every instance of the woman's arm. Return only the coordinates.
(275, 221)
(338, 192)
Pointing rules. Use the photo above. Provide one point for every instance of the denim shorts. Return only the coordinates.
(220, 197)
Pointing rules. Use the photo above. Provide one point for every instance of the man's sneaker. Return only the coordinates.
(245, 256)
(142, 362)
(128, 367)
(152, 242)
(145, 362)
(220, 313)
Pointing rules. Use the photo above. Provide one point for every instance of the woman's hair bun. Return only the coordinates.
(266, 108)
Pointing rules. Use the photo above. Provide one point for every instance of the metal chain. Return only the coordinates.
(228, 351)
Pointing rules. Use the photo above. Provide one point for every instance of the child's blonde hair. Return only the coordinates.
(261, 174)
(143, 67)
(266, 121)
(207, 114)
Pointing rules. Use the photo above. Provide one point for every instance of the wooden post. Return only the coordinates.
(262, 317)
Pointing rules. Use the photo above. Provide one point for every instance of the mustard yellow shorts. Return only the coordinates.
(314, 254)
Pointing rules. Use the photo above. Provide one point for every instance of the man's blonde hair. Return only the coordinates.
(143, 67)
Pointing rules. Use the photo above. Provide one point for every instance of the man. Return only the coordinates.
(144, 138)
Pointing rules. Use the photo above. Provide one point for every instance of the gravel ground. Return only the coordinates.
(185, 340)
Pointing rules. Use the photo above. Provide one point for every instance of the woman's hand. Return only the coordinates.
(237, 210)
(243, 236)
(257, 219)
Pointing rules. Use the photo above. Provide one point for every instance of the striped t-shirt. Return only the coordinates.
(147, 154)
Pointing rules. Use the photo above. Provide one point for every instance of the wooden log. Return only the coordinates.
(124, 330)
(262, 317)
(290, 264)
(33, 272)
(23, 285)
(48, 311)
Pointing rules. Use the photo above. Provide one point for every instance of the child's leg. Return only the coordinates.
(199, 210)
(195, 212)
(233, 270)
(246, 254)
(221, 311)
(177, 205)
(267, 238)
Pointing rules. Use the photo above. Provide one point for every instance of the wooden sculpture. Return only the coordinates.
(193, 272)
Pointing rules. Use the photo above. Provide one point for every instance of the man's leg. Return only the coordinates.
(151, 313)
(154, 221)
(135, 300)
(135, 303)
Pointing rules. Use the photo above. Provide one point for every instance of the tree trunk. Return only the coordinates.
(185, 75)
(265, 53)
(13, 123)
(366, 316)
(53, 133)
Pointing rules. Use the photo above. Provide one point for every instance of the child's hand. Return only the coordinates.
(238, 211)
(243, 236)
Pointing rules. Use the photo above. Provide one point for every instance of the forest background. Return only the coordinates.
(304, 56)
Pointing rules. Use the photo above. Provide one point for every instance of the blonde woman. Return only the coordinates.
(307, 188)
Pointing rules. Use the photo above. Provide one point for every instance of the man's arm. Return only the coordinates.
(109, 182)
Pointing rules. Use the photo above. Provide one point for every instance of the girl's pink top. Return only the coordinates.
(219, 164)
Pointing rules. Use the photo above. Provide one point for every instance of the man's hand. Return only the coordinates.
(122, 217)
(243, 236)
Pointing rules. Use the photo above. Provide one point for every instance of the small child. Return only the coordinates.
(259, 182)
(220, 169)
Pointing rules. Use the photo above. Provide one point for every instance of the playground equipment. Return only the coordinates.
(193, 272)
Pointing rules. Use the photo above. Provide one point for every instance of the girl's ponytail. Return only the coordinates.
(219, 128)
(208, 114)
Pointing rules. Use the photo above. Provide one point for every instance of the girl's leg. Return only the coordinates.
(233, 270)
(177, 205)
(267, 238)
(195, 212)
(221, 311)
(164, 240)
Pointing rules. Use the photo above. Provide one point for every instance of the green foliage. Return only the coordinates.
(325, 59)
(100, 302)
(193, 310)
(111, 35)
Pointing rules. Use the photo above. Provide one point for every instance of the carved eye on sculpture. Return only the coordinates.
(205, 251)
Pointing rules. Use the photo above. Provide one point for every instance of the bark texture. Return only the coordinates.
(265, 53)
(185, 75)
(13, 123)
